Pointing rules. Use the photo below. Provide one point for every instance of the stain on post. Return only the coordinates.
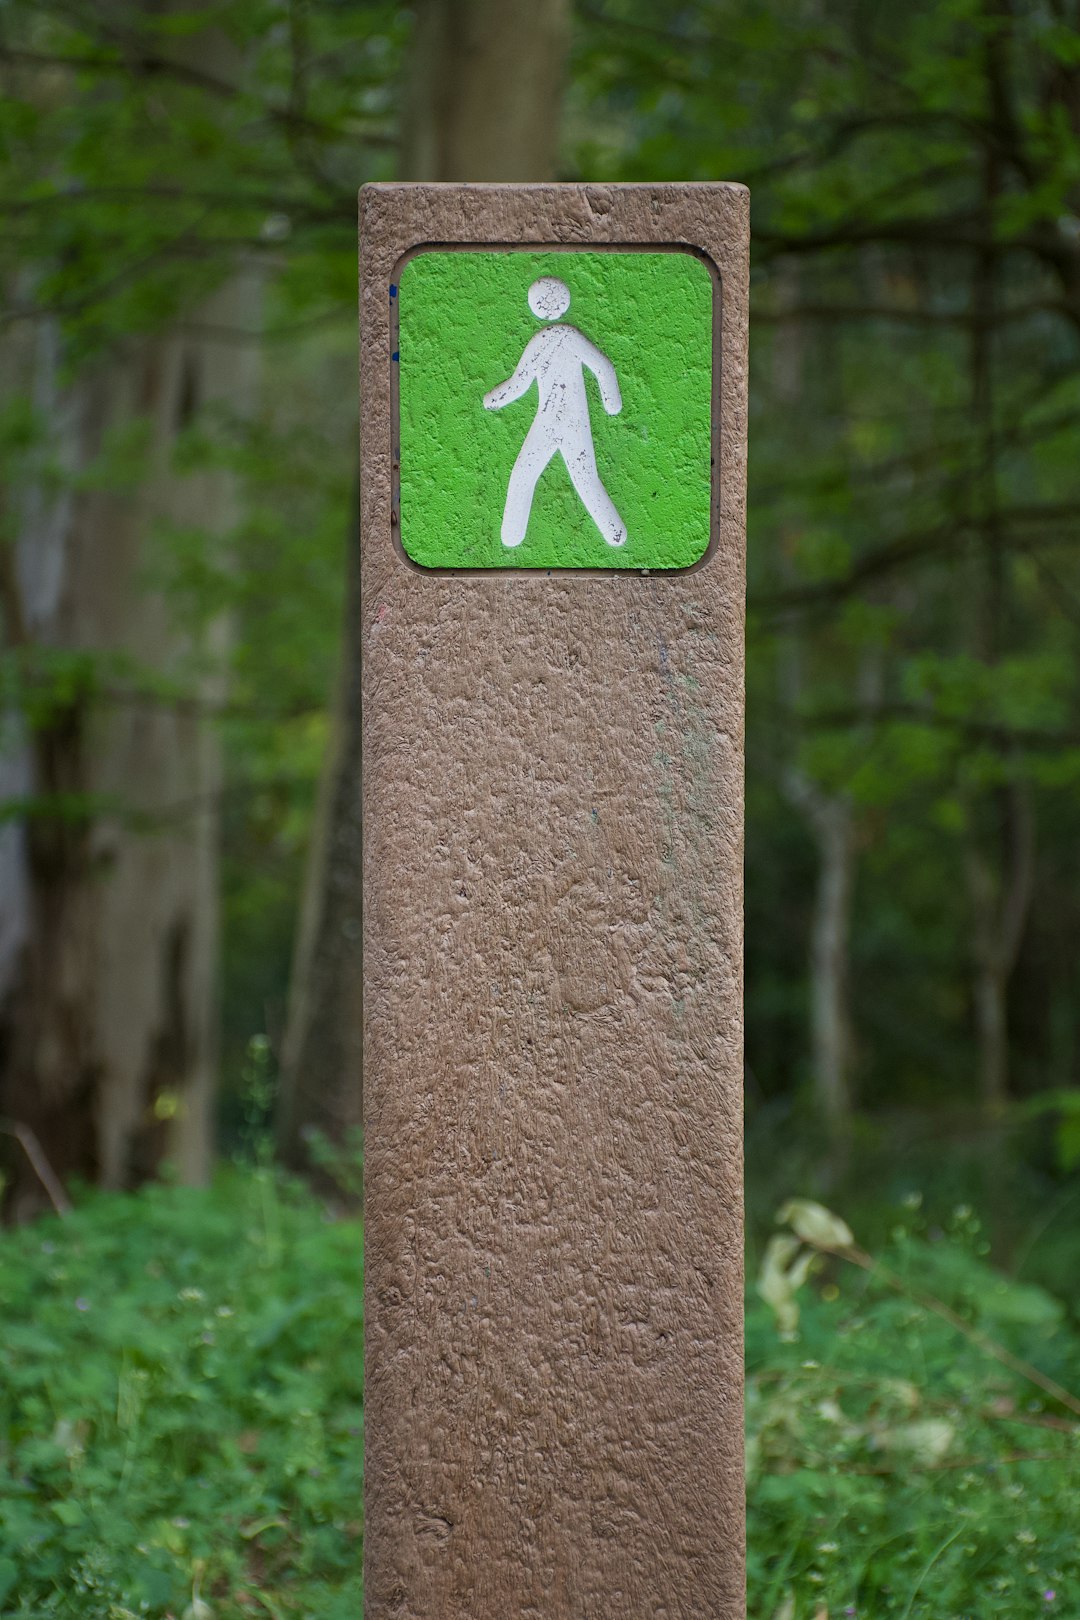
(553, 444)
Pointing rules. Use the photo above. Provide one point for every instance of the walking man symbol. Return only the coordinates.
(555, 359)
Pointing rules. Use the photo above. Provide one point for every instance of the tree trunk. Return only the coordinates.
(1000, 893)
(1000, 867)
(833, 823)
(485, 90)
(483, 103)
(108, 886)
(323, 1046)
(831, 816)
(830, 1016)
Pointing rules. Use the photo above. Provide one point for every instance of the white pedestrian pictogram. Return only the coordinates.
(555, 359)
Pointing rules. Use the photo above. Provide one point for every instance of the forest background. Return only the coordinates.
(179, 700)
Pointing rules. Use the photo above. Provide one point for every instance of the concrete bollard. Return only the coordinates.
(553, 448)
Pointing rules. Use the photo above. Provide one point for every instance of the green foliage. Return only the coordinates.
(144, 153)
(342, 1163)
(897, 1466)
(912, 582)
(148, 155)
(1064, 1107)
(914, 403)
(181, 1407)
(283, 573)
(181, 1418)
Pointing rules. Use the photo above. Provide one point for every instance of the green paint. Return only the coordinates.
(464, 321)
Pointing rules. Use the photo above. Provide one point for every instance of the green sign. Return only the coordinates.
(555, 408)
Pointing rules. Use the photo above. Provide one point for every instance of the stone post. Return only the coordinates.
(553, 822)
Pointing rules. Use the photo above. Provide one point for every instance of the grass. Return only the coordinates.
(906, 1457)
(181, 1421)
(181, 1418)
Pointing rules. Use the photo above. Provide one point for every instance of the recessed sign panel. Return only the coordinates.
(555, 408)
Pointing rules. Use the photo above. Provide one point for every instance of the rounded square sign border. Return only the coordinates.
(511, 571)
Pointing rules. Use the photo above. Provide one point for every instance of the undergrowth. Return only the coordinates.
(181, 1421)
(913, 1430)
(181, 1418)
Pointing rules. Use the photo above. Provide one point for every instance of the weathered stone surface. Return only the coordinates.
(552, 1016)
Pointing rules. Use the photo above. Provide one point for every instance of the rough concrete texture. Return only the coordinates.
(552, 1014)
(463, 324)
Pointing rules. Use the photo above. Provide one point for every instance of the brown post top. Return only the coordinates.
(553, 817)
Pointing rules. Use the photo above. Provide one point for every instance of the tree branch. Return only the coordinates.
(990, 732)
(897, 312)
(38, 1163)
(150, 66)
(905, 549)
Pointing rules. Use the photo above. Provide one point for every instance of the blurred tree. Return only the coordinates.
(143, 211)
(483, 97)
(483, 92)
(914, 500)
(832, 821)
(109, 876)
(179, 212)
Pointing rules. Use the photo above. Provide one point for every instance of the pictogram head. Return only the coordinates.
(549, 298)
